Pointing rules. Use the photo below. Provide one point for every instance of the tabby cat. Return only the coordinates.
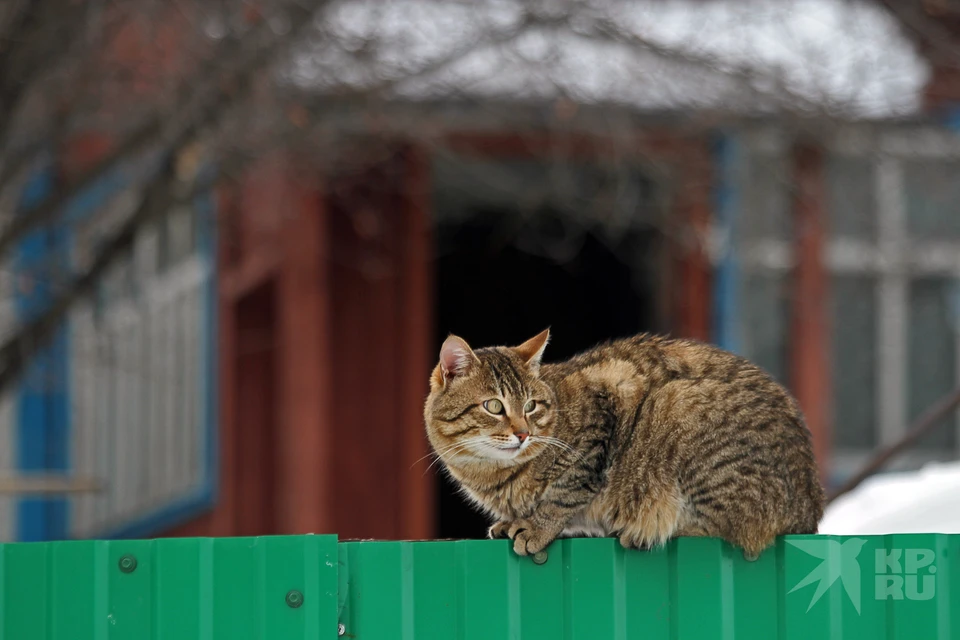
(644, 438)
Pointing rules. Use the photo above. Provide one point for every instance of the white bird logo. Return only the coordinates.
(839, 561)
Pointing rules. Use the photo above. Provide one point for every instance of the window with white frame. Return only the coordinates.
(763, 234)
(893, 255)
(138, 360)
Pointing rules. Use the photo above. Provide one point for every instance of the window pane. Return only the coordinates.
(177, 239)
(850, 191)
(932, 192)
(765, 198)
(933, 353)
(117, 283)
(180, 226)
(765, 308)
(853, 307)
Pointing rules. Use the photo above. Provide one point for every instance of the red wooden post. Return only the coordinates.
(221, 519)
(695, 274)
(809, 335)
(305, 446)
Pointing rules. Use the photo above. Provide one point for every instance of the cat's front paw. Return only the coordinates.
(498, 530)
(527, 538)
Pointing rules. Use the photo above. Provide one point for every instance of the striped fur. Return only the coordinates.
(644, 438)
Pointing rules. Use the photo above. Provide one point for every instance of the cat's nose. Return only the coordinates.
(522, 435)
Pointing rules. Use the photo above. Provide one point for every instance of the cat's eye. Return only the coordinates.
(493, 406)
(530, 406)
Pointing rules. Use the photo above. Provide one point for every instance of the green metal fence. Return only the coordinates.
(314, 587)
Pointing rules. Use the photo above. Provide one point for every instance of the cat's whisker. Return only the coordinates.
(432, 453)
(459, 448)
(566, 447)
(449, 449)
(430, 466)
(454, 448)
(436, 454)
(455, 445)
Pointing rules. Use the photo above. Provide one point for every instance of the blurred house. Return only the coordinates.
(258, 364)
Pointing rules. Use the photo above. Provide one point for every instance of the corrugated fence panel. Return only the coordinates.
(897, 587)
(282, 588)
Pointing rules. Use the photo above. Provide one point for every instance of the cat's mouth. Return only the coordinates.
(514, 448)
(493, 450)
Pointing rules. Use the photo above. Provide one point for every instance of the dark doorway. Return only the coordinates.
(256, 407)
(502, 287)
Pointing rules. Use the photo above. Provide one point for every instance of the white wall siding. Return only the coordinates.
(138, 358)
(138, 411)
(83, 387)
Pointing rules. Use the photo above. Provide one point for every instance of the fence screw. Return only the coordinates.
(341, 630)
(294, 599)
(128, 563)
(540, 557)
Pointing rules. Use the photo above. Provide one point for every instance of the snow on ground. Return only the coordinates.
(924, 501)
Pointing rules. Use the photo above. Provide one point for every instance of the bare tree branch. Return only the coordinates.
(19, 350)
(936, 36)
(45, 211)
(73, 103)
(933, 417)
(37, 47)
(156, 198)
(201, 110)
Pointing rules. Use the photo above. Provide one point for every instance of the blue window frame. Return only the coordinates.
(45, 428)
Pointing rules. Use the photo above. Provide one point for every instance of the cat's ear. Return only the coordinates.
(531, 351)
(456, 359)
